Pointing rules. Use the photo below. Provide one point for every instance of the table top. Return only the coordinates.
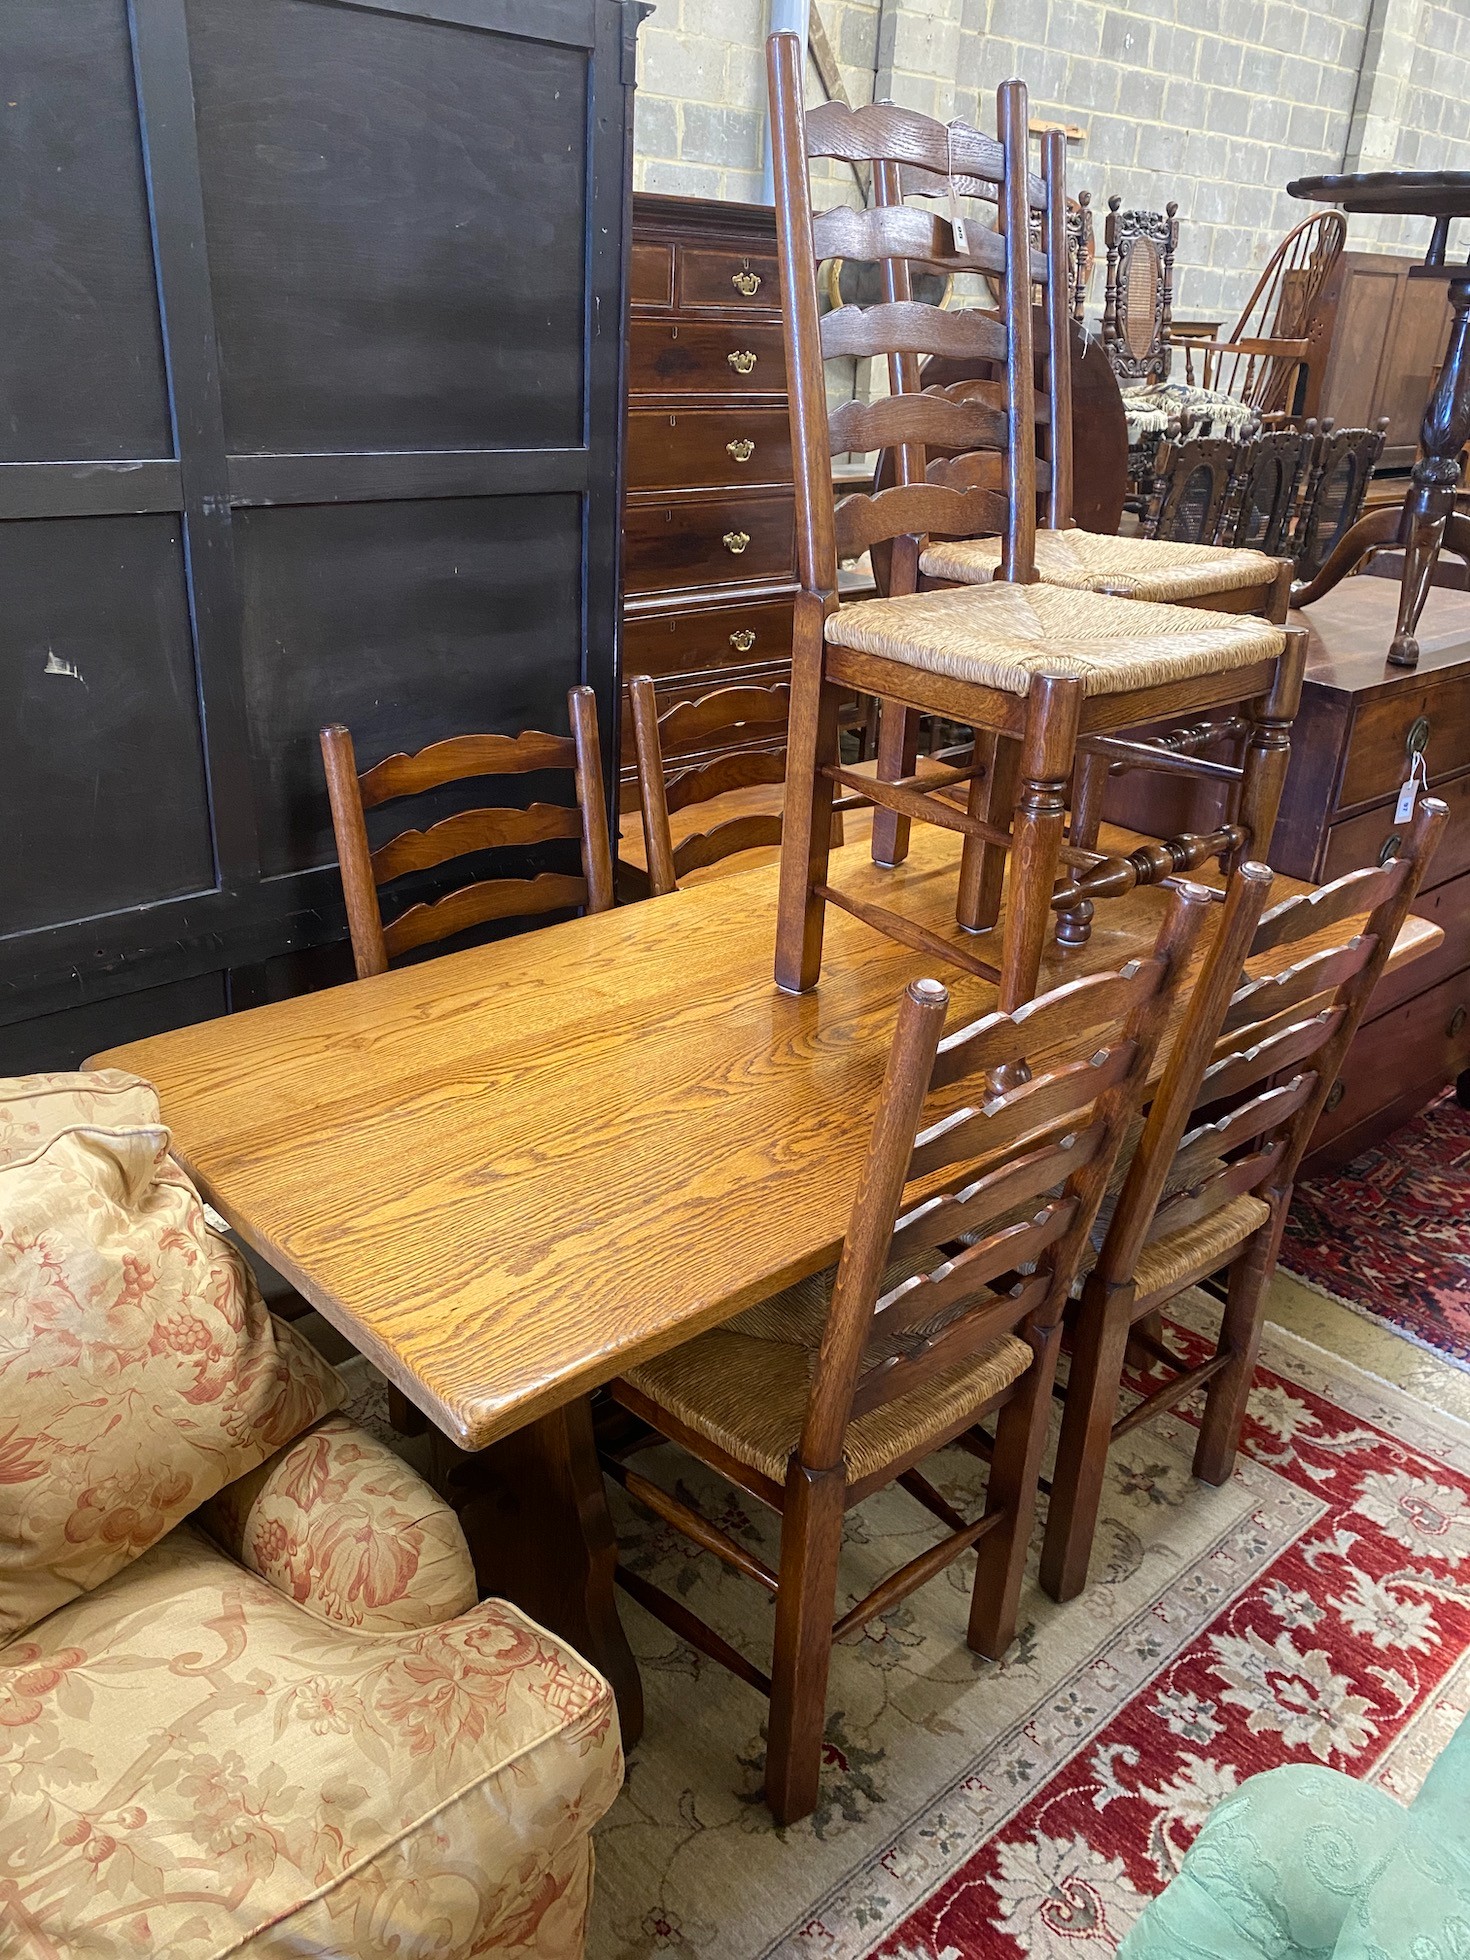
(506, 1174)
(1408, 193)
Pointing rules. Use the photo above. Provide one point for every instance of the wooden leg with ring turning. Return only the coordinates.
(1268, 752)
(1048, 749)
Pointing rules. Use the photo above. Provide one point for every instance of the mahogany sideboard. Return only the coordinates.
(709, 533)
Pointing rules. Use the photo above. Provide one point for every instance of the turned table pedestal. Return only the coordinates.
(1427, 520)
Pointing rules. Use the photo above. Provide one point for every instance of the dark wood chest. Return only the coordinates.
(709, 568)
(1378, 338)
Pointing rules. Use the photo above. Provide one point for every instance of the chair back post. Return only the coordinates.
(1018, 543)
(1173, 1103)
(816, 535)
(1058, 331)
(1385, 922)
(658, 845)
(875, 1206)
(354, 855)
(591, 799)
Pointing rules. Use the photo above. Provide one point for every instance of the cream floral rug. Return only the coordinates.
(1315, 1609)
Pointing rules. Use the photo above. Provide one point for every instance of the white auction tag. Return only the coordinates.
(1409, 794)
(956, 217)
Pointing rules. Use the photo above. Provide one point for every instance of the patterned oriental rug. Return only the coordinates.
(1316, 1609)
(1389, 1236)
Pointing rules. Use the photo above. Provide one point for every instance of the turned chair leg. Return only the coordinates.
(1268, 751)
(1240, 1338)
(806, 837)
(898, 754)
(982, 866)
(1090, 780)
(1093, 1387)
(1020, 1442)
(811, 1540)
(1048, 750)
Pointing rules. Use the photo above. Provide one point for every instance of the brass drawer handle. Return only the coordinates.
(736, 541)
(743, 639)
(746, 282)
(742, 363)
(742, 449)
(1417, 739)
(1334, 1096)
(1390, 847)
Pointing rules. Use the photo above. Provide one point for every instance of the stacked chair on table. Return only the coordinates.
(1047, 676)
(1209, 1183)
(848, 1381)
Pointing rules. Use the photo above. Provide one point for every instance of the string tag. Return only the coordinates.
(956, 217)
(1418, 781)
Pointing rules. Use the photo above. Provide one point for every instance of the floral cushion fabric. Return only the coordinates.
(139, 1368)
(36, 1108)
(191, 1765)
(341, 1525)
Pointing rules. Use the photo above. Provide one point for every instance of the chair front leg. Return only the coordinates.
(982, 866)
(1048, 750)
(1268, 751)
(1093, 1388)
(1089, 783)
(1240, 1338)
(806, 827)
(1020, 1441)
(898, 754)
(811, 1540)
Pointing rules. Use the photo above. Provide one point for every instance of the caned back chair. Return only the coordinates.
(1210, 1181)
(365, 869)
(1339, 470)
(1264, 490)
(1266, 352)
(665, 788)
(1190, 493)
(1003, 1133)
(1039, 666)
(1138, 301)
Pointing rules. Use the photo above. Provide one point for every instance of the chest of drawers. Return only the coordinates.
(709, 568)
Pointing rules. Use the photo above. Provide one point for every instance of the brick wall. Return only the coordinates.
(1215, 103)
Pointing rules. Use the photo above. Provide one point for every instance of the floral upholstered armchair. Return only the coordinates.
(1303, 1863)
(248, 1702)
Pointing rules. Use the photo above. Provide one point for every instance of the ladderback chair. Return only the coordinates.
(1267, 350)
(463, 757)
(1210, 1181)
(1003, 1132)
(1036, 665)
(665, 788)
(1138, 300)
(1193, 571)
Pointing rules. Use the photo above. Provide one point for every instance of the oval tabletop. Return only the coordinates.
(1406, 193)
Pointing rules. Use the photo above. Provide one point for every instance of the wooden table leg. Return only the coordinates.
(535, 1513)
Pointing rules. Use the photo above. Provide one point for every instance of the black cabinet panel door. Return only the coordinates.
(311, 352)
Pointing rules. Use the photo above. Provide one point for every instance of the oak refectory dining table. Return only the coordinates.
(507, 1174)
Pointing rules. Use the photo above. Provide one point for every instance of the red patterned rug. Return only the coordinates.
(1389, 1236)
(1315, 1609)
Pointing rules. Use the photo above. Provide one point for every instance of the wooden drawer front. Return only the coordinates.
(683, 544)
(1421, 1044)
(698, 448)
(1357, 841)
(707, 639)
(651, 275)
(729, 277)
(1448, 907)
(692, 357)
(1378, 755)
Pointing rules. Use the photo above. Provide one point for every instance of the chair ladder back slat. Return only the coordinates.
(759, 831)
(1204, 1147)
(960, 1340)
(1050, 1021)
(1010, 1248)
(742, 769)
(880, 132)
(913, 509)
(1234, 1180)
(1241, 1070)
(1348, 897)
(461, 756)
(473, 830)
(480, 904)
(975, 1202)
(1321, 973)
(1049, 1102)
(931, 418)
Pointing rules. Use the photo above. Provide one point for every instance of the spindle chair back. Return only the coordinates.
(1210, 1181)
(366, 870)
(990, 1152)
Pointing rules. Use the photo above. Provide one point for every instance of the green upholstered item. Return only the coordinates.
(1304, 1863)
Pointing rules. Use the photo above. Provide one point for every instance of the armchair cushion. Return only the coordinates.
(36, 1108)
(139, 1369)
(191, 1765)
(344, 1527)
